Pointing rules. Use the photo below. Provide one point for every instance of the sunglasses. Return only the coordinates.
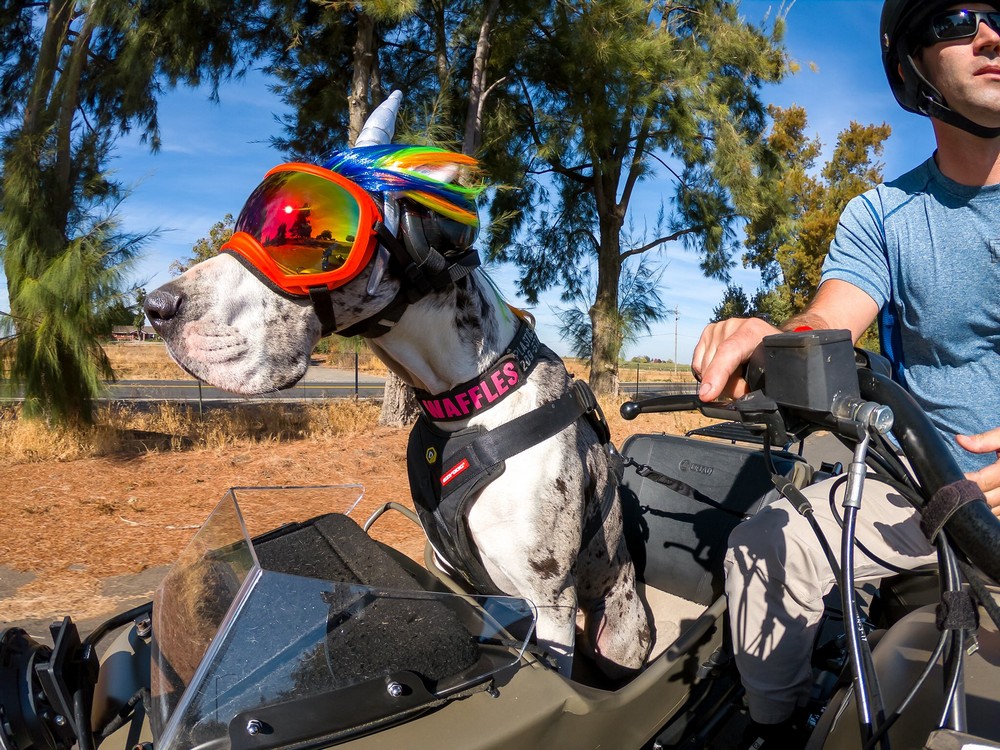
(305, 227)
(959, 24)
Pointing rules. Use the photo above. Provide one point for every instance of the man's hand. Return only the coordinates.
(988, 479)
(721, 353)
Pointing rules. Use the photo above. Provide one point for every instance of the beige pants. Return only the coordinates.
(777, 576)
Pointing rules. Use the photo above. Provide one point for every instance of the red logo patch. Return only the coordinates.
(454, 471)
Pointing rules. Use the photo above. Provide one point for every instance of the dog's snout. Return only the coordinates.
(161, 306)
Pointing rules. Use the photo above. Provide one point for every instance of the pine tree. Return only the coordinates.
(604, 94)
(76, 74)
(788, 246)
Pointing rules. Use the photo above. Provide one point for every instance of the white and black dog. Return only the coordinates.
(530, 510)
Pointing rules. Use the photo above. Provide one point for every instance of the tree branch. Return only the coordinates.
(555, 163)
(635, 168)
(660, 241)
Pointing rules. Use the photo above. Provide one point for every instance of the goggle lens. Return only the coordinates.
(961, 24)
(305, 223)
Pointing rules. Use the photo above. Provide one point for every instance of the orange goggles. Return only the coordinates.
(305, 227)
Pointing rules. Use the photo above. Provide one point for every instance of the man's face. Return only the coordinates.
(967, 71)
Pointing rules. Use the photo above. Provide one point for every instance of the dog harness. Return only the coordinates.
(448, 470)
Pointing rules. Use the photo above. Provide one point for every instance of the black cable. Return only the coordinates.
(867, 694)
(860, 545)
(887, 452)
(81, 715)
(904, 704)
(982, 593)
(954, 655)
(119, 719)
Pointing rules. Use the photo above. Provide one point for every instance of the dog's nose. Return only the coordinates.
(161, 306)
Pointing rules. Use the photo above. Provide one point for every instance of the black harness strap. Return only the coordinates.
(455, 467)
(530, 429)
(510, 370)
(323, 306)
(434, 272)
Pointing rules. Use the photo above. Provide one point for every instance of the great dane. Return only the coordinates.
(542, 519)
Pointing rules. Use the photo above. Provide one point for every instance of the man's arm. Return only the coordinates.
(725, 347)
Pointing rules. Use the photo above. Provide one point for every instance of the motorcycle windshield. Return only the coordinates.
(311, 632)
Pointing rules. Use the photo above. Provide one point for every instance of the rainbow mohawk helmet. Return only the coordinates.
(436, 213)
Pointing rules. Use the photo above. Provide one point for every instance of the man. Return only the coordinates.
(921, 254)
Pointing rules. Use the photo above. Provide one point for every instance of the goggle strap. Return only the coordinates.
(323, 306)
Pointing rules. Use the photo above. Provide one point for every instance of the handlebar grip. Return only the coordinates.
(659, 404)
(683, 402)
(973, 528)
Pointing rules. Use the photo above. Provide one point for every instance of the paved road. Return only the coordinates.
(191, 390)
(319, 383)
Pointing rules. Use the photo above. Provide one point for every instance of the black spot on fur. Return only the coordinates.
(561, 486)
(546, 569)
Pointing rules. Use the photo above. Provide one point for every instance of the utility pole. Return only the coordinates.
(677, 315)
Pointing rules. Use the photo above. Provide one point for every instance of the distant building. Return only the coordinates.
(124, 333)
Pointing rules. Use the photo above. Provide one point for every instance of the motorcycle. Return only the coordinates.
(315, 635)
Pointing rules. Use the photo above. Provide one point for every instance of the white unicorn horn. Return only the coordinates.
(381, 124)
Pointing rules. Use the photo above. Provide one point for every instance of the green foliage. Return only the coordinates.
(789, 248)
(75, 76)
(666, 92)
(734, 305)
(639, 305)
(206, 247)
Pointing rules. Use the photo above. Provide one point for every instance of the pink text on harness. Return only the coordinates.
(492, 386)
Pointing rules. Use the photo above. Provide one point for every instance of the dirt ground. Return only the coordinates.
(94, 536)
(71, 532)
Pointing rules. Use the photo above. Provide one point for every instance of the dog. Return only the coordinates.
(546, 523)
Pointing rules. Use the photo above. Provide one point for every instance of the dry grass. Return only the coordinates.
(147, 360)
(129, 429)
(626, 372)
(134, 429)
(368, 363)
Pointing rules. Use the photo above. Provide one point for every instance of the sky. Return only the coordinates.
(214, 153)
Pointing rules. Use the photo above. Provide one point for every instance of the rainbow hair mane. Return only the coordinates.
(395, 169)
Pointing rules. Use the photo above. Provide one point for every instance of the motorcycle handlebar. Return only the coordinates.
(973, 528)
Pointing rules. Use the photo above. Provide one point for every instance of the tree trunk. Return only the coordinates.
(604, 317)
(399, 403)
(477, 86)
(359, 100)
(47, 63)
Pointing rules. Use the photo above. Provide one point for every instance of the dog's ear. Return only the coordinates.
(442, 172)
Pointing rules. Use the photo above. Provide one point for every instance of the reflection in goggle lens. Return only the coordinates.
(306, 223)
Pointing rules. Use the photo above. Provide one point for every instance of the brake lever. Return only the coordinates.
(684, 402)
(752, 409)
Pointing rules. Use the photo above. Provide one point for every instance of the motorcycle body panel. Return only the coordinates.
(899, 657)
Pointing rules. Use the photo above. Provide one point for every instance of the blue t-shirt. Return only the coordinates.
(927, 250)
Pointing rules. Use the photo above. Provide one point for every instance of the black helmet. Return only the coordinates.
(899, 33)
